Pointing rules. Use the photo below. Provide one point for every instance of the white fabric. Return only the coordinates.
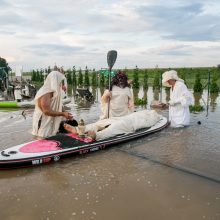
(17, 93)
(49, 125)
(172, 74)
(124, 125)
(180, 99)
(64, 93)
(25, 91)
(119, 103)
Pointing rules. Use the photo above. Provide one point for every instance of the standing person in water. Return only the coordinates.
(49, 111)
(180, 99)
(120, 95)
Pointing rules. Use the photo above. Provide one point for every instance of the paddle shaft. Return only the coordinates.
(207, 106)
(109, 87)
(161, 87)
(111, 58)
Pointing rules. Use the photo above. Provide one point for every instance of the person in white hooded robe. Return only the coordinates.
(111, 127)
(180, 99)
(48, 111)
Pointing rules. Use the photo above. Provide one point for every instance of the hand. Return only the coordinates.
(108, 94)
(130, 82)
(130, 105)
(68, 115)
(163, 105)
(171, 103)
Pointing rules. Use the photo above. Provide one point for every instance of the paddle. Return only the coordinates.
(207, 107)
(161, 87)
(111, 58)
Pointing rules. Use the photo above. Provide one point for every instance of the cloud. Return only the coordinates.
(170, 50)
(81, 32)
(182, 22)
(10, 19)
(53, 49)
(4, 4)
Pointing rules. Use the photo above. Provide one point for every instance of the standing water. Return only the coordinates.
(172, 174)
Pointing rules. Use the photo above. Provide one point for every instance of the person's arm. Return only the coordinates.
(105, 97)
(184, 97)
(130, 101)
(44, 103)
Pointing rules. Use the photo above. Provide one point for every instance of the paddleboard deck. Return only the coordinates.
(54, 148)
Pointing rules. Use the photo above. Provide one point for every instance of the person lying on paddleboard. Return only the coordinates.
(107, 128)
(49, 110)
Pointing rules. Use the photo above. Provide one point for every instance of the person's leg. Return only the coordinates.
(99, 125)
(92, 134)
(70, 128)
(116, 128)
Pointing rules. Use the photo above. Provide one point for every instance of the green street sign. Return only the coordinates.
(106, 72)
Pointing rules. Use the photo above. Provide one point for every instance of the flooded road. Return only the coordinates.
(172, 174)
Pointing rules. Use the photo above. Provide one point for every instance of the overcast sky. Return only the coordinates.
(146, 33)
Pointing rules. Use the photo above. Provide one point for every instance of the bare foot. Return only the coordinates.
(92, 134)
(70, 129)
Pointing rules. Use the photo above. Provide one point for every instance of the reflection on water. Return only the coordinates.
(156, 94)
(136, 93)
(197, 98)
(96, 186)
(145, 94)
(213, 101)
(150, 94)
(202, 99)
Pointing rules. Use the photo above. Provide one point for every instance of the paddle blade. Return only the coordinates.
(111, 58)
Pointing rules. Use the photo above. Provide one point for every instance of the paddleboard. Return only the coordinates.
(54, 148)
(25, 104)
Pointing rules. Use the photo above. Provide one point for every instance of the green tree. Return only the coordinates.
(94, 78)
(214, 88)
(198, 85)
(102, 80)
(33, 77)
(86, 79)
(135, 83)
(37, 76)
(181, 73)
(4, 65)
(156, 83)
(135, 94)
(41, 76)
(145, 82)
(69, 77)
(4, 69)
(80, 78)
(74, 76)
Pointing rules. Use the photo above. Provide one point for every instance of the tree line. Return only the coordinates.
(195, 78)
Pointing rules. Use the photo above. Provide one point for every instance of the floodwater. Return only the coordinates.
(172, 174)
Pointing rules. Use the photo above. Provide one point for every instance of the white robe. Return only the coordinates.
(49, 125)
(119, 103)
(124, 125)
(17, 93)
(180, 96)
